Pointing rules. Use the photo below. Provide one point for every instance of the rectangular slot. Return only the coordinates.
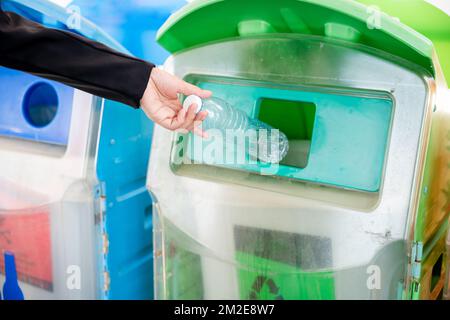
(336, 137)
(296, 120)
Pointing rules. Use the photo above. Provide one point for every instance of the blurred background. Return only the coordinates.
(133, 23)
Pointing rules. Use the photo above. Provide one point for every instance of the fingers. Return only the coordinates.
(169, 86)
(175, 121)
(182, 120)
(195, 126)
(199, 132)
(187, 89)
(197, 121)
(201, 116)
(190, 116)
(186, 120)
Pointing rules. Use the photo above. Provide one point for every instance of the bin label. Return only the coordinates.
(27, 236)
(278, 265)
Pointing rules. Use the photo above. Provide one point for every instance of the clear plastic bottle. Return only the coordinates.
(273, 144)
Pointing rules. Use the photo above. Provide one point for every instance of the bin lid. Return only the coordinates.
(204, 21)
(59, 17)
(433, 22)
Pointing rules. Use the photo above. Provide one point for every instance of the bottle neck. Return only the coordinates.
(10, 268)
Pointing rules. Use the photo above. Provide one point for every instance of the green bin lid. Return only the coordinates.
(204, 21)
(432, 22)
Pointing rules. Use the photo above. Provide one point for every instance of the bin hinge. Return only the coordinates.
(100, 198)
(106, 283)
(103, 240)
(416, 268)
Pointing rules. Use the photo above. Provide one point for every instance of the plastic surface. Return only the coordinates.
(347, 132)
(207, 21)
(47, 209)
(19, 94)
(432, 22)
(22, 95)
(47, 201)
(433, 271)
(55, 190)
(121, 166)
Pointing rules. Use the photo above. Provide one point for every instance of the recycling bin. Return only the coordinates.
(447, 283)
(358, 209)
(72, 181)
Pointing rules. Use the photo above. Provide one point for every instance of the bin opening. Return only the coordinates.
(296, 120)
(336, 137)
(40, 104)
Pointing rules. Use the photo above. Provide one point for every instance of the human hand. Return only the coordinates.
(160, 103)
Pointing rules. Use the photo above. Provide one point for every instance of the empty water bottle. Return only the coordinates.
(272, 144)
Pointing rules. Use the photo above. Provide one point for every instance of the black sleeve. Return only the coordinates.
(71, 59)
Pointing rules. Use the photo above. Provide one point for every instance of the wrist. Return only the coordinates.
(147, 91)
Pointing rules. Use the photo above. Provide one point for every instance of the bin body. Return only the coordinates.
(338, 218)
(65, 165)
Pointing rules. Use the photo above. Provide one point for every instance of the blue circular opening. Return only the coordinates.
(40, 104)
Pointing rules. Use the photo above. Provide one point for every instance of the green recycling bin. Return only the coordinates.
(358, 209)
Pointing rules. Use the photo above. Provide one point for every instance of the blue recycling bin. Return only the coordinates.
(74, 209)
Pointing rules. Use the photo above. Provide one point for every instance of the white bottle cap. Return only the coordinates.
(191, 100)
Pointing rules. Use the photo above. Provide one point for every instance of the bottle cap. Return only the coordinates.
(191, 100)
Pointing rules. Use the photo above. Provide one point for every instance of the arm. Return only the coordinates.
(92, 67)
(71, 59)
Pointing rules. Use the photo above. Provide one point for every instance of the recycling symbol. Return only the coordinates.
(258, 286)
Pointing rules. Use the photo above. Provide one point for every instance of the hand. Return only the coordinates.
(160, 103)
